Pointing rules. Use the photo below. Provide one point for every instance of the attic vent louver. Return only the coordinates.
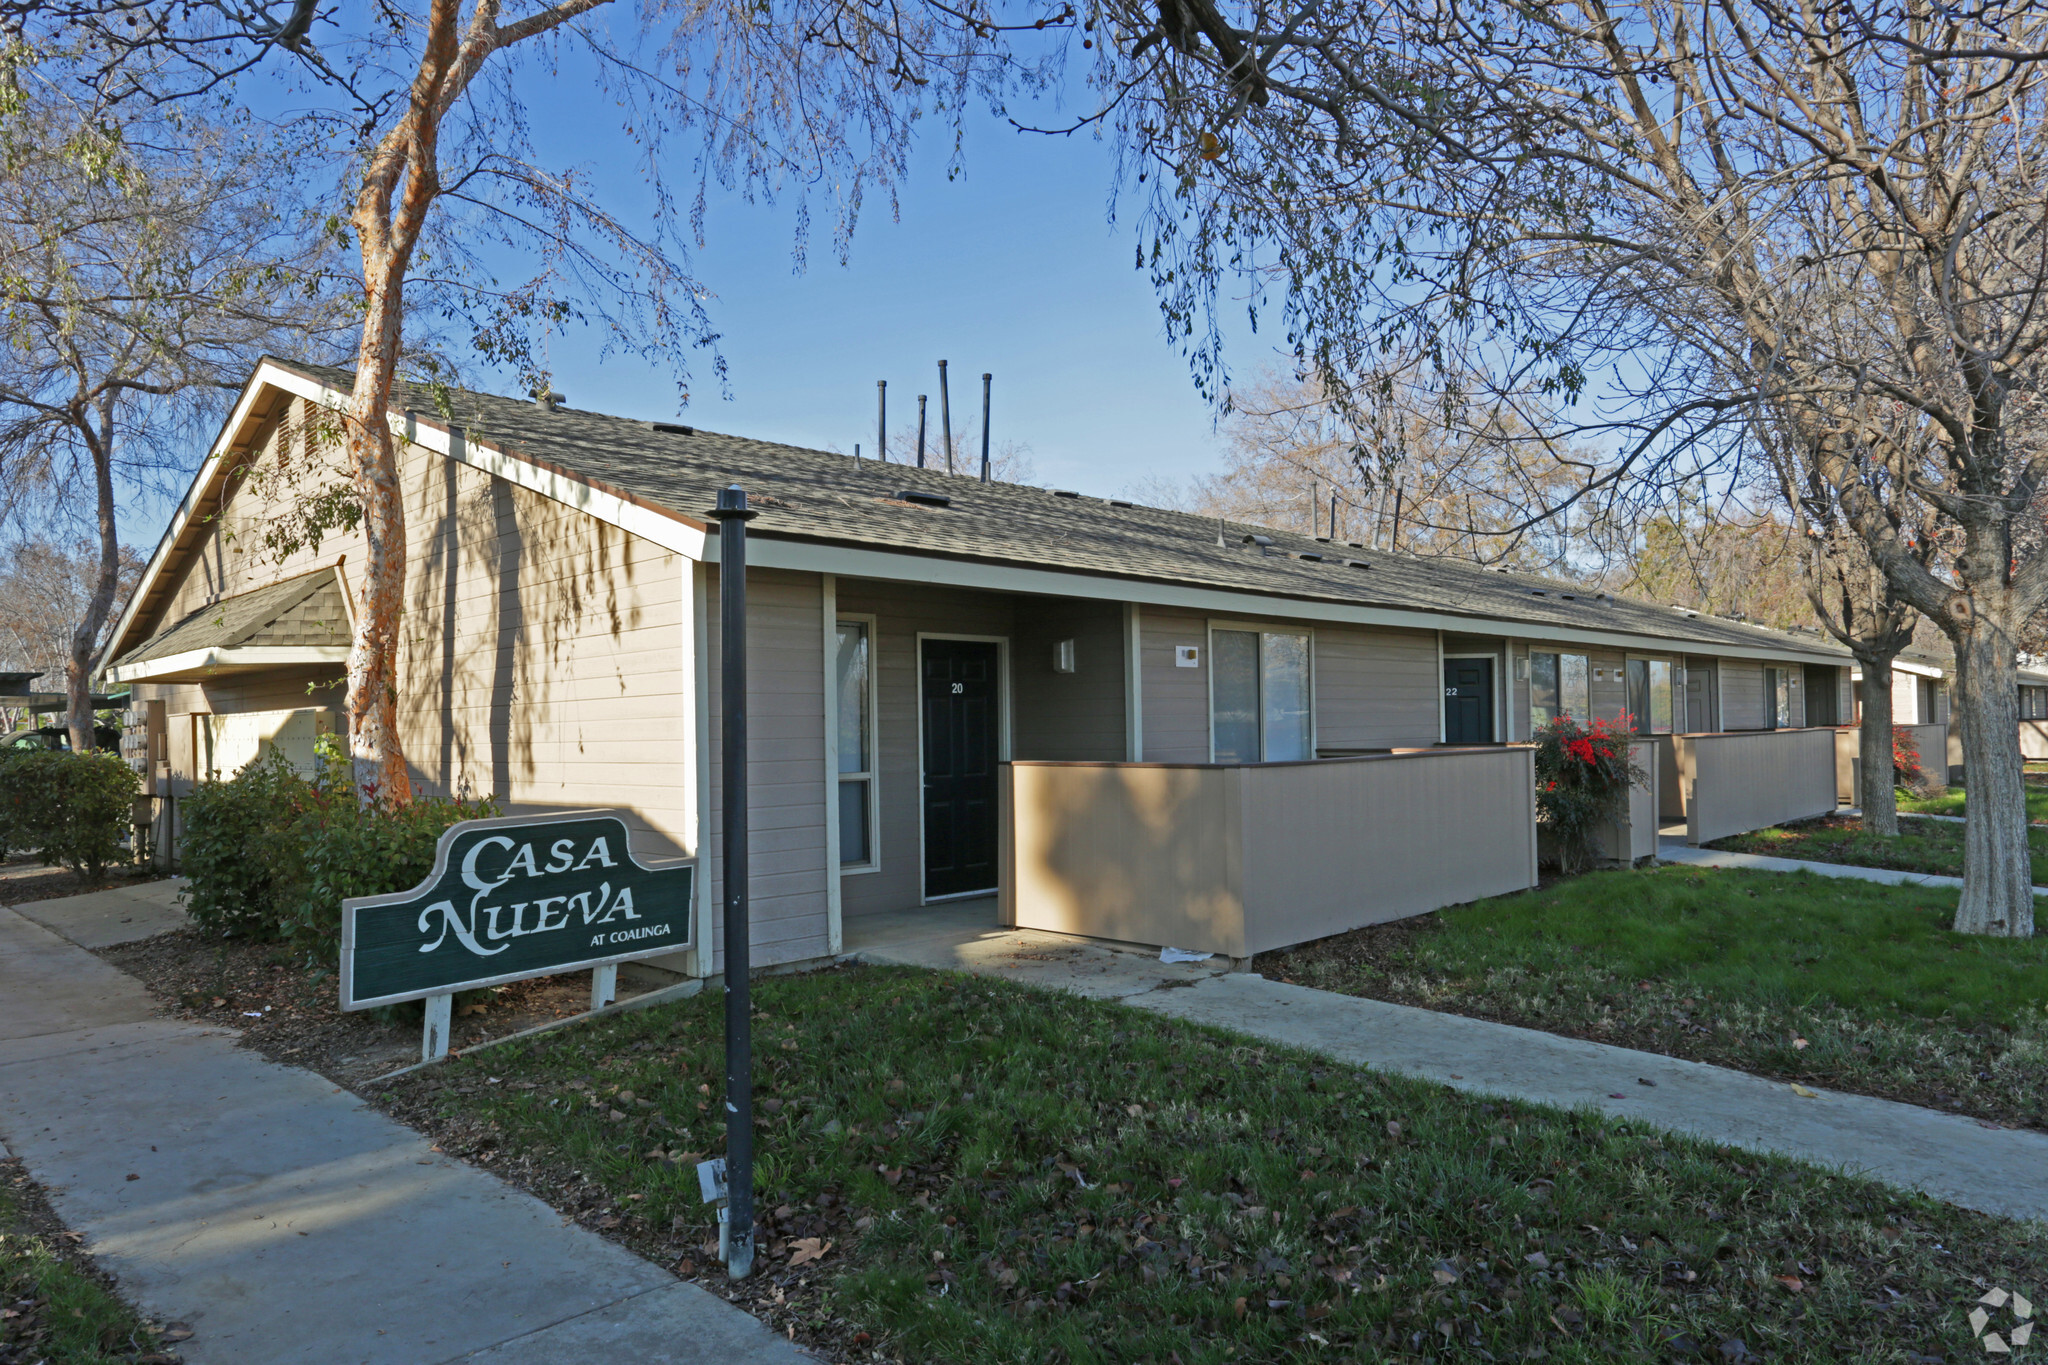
(1119, 502)
(1356, 564)
(1065, 493)
(1538, 592)
(1311, 557)
(925, 499)
(674, 428)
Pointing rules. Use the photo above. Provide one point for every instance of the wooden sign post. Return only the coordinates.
(513, 898)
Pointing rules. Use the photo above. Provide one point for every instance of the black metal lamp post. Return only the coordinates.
(733, 517)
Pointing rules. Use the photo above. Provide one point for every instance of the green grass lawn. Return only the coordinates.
(1949, 800)
(955, 1169)
(51, 1311)
(1934, 846)
(1831, 982)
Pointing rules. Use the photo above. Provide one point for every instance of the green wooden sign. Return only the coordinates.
(513, 898)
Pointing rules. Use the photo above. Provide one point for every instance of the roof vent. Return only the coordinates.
(1311, 556)
(1263, 542)
(1119, 502)
(1500, 570)
(1065, 493)
(1356, 564)
(674, 428)
(548, 399)
(1569, 596)
(925, 499)
(1356, 544)
(1538, 592)
(1322, 540)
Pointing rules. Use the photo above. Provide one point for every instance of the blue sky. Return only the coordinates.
(1010, 268)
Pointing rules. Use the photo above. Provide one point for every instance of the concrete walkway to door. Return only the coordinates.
(1995, 1170)
(284, 1219)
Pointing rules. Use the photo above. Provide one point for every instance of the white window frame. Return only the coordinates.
(873, 776)
(1209, 678)
(1003, 696)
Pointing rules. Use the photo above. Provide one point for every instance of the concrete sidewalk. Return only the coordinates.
(288, 1222)
(119, 914)
(1676, 850)
(1996, 1170)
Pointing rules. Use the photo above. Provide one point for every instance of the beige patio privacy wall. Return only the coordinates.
(1739, 782)
(2034, 739)
(1239, 860)
(1932, 743)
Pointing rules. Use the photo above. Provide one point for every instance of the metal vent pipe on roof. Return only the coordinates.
(986, 380)
(945, 417)
(920, 431)
(882, 420)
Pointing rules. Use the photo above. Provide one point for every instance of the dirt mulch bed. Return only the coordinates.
(292, 1014)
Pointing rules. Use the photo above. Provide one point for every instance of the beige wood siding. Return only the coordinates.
(541, 650)
(1078, 715)
(1609, 684)
(1742, 694)
(1176, 702)
(1375, 689)
(785, 769)
(901, 611)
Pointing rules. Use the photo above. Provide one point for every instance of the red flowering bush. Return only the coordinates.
(1583, 774)
(1905, 759)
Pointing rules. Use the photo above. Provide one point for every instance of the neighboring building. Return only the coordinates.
(909, 629)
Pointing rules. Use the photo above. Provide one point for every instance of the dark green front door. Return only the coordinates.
(961, 735)
(1468, 701)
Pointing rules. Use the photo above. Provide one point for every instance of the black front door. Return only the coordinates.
(1468, 701)
(960, 737)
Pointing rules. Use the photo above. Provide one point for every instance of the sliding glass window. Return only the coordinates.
(1559, 685)
(1649, 696)
(1259, 704)
(853, 667)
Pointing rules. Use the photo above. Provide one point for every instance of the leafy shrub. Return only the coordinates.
(272, 854)
(350, 847)
(239, 849)
(1905, 760)
(1583, 774)
(76, 809)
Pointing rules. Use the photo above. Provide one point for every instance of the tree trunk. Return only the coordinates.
(379, 755)
(1998, 882)
(1874, 790)
(85, 639)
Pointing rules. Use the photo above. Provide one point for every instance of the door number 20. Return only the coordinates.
(958, 688)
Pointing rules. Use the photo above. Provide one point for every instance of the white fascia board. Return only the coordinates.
(1901, 666)
(215, 660)
(770, 552)
(631, 517)
(266, 375)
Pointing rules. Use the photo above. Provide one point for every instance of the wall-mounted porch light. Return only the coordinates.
(1063, 657)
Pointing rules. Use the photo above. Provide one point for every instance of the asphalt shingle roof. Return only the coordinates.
(821, 496)
(306, 610)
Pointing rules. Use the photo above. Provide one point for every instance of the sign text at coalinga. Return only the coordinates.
(513, 898)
